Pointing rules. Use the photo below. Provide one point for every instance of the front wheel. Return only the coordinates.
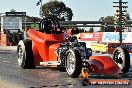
(122, 58)
(73, 63)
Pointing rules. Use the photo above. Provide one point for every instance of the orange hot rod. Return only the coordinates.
(50, 46)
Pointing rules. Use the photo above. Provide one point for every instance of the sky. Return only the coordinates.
(83, 10)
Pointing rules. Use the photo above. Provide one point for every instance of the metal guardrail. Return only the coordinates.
(80, 23)
(84, 22)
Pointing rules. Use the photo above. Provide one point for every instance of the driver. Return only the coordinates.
(48, 27)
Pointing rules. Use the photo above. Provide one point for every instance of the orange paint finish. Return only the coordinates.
(34, 36)
(52, 38)
(52, 49)
(44, 44)
(43, 50)
(37, 57)
(105, 64)
(96, 66)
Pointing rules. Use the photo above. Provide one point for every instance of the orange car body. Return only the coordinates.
(44, 45)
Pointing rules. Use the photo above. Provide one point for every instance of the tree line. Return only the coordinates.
(61, 12)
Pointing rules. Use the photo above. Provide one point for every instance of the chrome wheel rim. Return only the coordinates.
(118, 58)
(20, 55)
(20, 52)
(70, 63)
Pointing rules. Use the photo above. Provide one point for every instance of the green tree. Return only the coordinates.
(58, 10)
(106, 27)
(12, 10)
(31, 19)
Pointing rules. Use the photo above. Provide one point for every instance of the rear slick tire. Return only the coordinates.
(122, 58)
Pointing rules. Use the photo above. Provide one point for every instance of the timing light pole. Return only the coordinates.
(40, 3)
(41, 10)
(121, 16)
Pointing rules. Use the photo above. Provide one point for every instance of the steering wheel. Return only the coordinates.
(50, 25)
